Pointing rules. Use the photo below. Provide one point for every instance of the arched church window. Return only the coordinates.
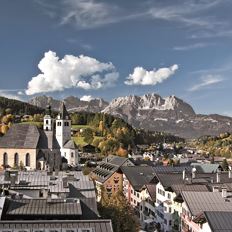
(27, 160)
(5, 159)
(16, 159)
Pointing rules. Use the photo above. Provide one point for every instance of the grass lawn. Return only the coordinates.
(81, 126)
(39, 124)
(79, 140)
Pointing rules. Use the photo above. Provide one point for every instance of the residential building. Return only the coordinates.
(108, 176)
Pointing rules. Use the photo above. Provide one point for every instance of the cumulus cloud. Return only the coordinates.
(71, 71)
(141, 76)
(207, 81)
(86, 98)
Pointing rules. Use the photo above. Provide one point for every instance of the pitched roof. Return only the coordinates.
(199, 202)
(108, 167)
(172, 169)
(20, 136)
(99, 225)
(138, 176)
(178, 188)
(169, 179)
(47, 140)
(219, 221)
(63, 112)
(206, 168)
(70, 144)
(44, 207)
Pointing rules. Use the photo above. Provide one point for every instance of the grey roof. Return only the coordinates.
(20, 136)
(219, 221)
(116, 160)
(70, 144)
(178, 188)
(44, 207)
(206, 168)
(40, 179)
(95, 225)
(108, 167)
(63, 112)
(138, 176)
(169, 179)
(198, 202)
(47, 140)
(171, 169)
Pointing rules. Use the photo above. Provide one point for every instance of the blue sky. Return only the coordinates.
(116, 48)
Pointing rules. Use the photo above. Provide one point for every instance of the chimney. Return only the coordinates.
(224, 192)
(218, 176)
(194, 173)
(184, 174)
(230, 172)
(65, 182)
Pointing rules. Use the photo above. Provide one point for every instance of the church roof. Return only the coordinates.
(70, 144)
(47, 140)
(21, 136)
(63, 112)
(28, 137)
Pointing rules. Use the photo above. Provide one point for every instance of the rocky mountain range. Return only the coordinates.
(150, 112)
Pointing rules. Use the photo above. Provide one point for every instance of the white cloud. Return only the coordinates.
(9, 94)
(86, 98)
(187, 13)
(190, 47)
(207, 81)
(141, 76)
(71, 71)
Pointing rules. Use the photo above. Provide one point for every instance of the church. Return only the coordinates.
(33, 148)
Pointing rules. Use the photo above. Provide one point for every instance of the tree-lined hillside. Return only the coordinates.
(215, 145)
(18, 107)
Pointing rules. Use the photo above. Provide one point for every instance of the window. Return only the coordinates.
(132, 191)
(27, 160)
(165, 221)
(169, 196)
(46, 121)
(58, 123)
(72, 154)
(170, 210)
(16, 159)
(5, 159)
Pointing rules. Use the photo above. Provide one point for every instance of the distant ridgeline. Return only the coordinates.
(105, 123)
(18, 107)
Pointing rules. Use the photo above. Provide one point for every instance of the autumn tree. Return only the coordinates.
(117, 208)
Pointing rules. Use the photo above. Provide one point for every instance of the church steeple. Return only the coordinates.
(48, 121)
(63, 112)
(63, 126)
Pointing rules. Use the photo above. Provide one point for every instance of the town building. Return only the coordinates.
(108, 176)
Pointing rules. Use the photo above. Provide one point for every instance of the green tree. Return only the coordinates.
(225, 165)
(88, 135)
(117, 208)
